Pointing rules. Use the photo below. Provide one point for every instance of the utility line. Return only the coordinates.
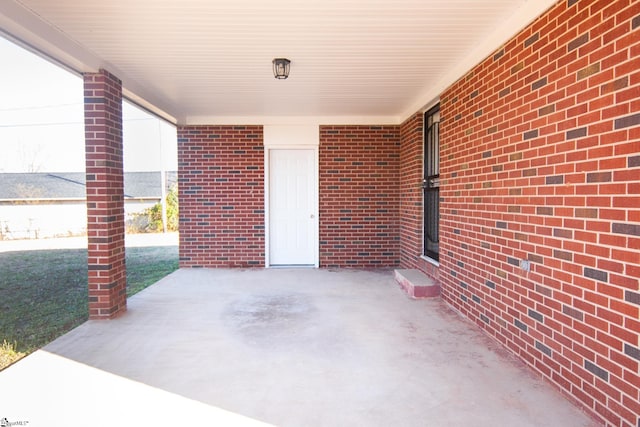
(28, 125)
(40, 107)
(25, 125)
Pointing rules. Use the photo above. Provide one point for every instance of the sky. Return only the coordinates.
(41, 120)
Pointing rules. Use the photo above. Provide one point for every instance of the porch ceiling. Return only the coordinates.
(203, 61)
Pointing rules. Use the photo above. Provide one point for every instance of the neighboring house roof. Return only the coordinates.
(71, 185)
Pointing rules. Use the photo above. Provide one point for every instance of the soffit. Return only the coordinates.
(210, 61)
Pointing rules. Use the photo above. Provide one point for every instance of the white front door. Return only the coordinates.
(293, 236)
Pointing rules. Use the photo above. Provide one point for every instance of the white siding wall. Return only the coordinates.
(37, 221)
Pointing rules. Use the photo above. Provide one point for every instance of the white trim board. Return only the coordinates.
(291, 136)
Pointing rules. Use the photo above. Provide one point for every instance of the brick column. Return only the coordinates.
(105, 195)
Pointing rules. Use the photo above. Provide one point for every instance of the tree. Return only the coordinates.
(150, 220)
(154, 213)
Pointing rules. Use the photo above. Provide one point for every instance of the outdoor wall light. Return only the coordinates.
(281, 68)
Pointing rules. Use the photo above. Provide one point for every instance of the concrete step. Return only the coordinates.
(417, 284)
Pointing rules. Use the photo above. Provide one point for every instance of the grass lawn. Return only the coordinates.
(43, 294)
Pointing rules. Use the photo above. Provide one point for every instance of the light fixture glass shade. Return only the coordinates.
(281, 68)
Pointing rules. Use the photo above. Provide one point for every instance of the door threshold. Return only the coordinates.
(292, 266)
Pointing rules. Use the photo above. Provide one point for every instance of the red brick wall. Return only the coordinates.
(221, 191)
(359, 200)
(540, 161)
(105, 195)
(411, 198)
(411, 153)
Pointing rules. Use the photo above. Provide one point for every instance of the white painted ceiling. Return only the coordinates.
(209, 61)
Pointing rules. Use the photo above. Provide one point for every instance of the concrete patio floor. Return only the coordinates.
(287, 347)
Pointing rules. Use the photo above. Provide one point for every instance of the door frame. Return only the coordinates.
(299, 137)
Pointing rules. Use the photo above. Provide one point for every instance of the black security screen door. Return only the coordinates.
(431, 182)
